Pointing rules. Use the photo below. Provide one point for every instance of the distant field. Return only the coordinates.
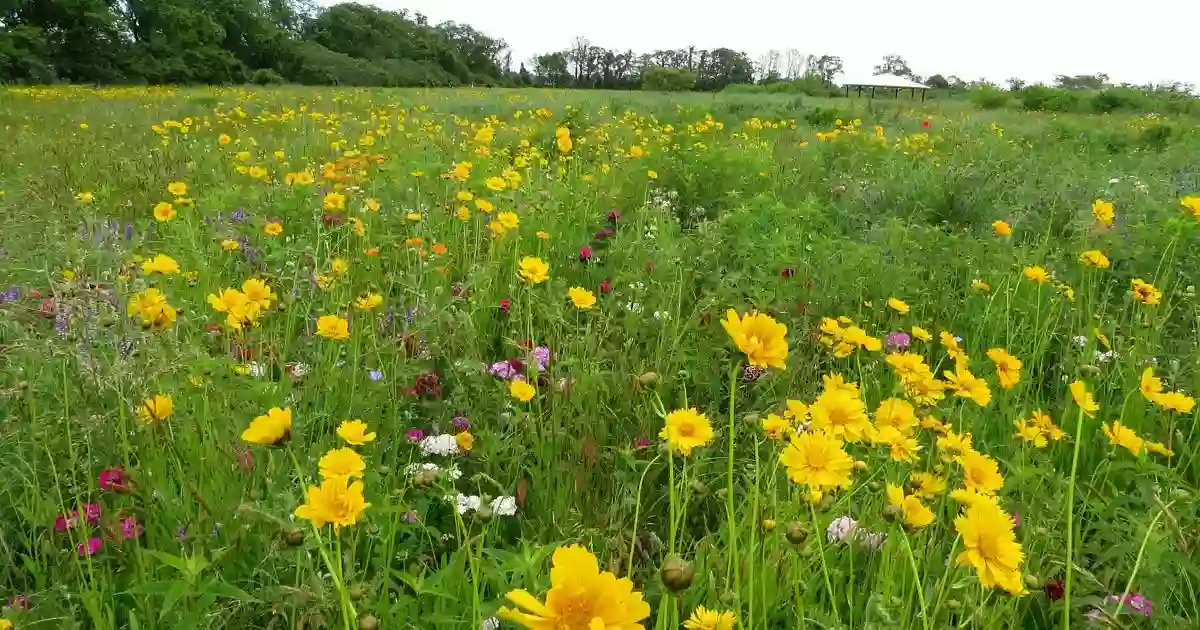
(802, 363)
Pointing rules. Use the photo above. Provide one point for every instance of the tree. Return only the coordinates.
(668, 79)
(550, 69)
(894, 64)
(827, 67)
(797, 64)
(937, 81)
(768, 67)
(1081, 81)
(1015, 84)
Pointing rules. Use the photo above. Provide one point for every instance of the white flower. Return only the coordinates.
(1079, 340)
(451, 472)
(872, 541)
(633, 307)
(1115, 180)
(841, 529)
(443, 444)
(465, 503)
(662, 315)
(504, 506)
(1105, 357)
(256, 368)
(491, 623)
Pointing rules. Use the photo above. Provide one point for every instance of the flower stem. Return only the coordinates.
(730, 515)
(1066, 618)
(912, 563)
(812, 511)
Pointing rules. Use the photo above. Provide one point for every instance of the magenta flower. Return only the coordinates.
(898, 339)
(66, 521)
(506, 370)
(91, 511)
(90, 547)
(131, 528)
(585, 253)
(416, 435)
(114, 480)
(541, 354)
(1137, 603)
(460, 423)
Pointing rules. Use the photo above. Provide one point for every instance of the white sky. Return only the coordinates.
(1139, 42)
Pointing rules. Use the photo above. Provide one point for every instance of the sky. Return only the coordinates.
(1138, 42)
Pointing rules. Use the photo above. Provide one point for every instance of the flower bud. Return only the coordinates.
(699, 487)
(677, 574)
(357, 591)
(368, 622)
(768, 525)
(648, 379)
(797, 532)
(294, 537)
(891, 512)
(953, 604)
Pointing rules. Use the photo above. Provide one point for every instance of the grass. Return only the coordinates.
(738, 204)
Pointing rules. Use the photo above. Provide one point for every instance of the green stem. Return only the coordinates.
(1137, 564)
(912, 563)
(729, 511)
(812, 511)
(1066, 617)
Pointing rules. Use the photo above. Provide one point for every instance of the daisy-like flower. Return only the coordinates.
(817, 460)
(534, 270)
(341, 462)
(271, 428)
(336, 501)
(581, 596)
(354, 432)
(912, 512)
(1001, 227)
(1008, 367)
(581, 298)
(1095, 258)
(898, 305)
(990, 546)
(705, 619)
(1145, 292)
(1121, 435)
(1037, 273)
(842, 414)
(1083, 398)
(686, 429)
(155, 408)
(760, 337)
(980, 472)
(521, 390)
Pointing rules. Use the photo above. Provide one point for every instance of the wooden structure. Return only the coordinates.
(884, 82)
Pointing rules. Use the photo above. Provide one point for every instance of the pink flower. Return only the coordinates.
(585, 253)
(416, 435)
(606, 286)
(91, 511)
(89, 547)
(114, 480)
(131, 528)
(66, 521)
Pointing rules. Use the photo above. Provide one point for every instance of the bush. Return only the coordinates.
(659, 79)
(1119, 98)
(989, 97)
(266, 76)
(1039, 98)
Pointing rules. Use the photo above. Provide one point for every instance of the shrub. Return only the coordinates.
(989, 97)
(266, 76)
(660, 79)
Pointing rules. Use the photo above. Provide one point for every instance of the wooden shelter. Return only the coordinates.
(884, 82)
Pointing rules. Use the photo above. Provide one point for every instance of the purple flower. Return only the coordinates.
(1137, 603)
(12, 294)
(238, 215)
(411, 516)
(898, 339)
(89, 547)
(416, 435)
(375, 375)
(542, 355)
(129, 232)
(460, 423)
(131, 528)
(113, 479)
(504, 370)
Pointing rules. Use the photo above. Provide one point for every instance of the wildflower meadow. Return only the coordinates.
(466, 358)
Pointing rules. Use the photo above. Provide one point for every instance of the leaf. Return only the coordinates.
(221, 589)
(176, 562)
(178, 589)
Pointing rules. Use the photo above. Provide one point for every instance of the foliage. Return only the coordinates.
(668, 79)
(989, 97)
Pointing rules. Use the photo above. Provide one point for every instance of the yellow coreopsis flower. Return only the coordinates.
(894, 412)
(980, 472)
(1192, 204)
(581, 596)
(484, 206)
(921, 333)
(760, 337)
(368, 301)
(271, 428)
(775, 426)
(465, 441)
(990, 546)
(652, 174)
(1176, 401)
(967, 385)
(705, 619)
(354, 432)
(164, 211)
(161, 263)
(230, 245)
(1095, 258)
(509, 220)
(1150, 385)
(152, 308)
(534, 270)
(898, 305)
(496, 183)
(581, 297)
(179, 189)
(1103, 211)
(842, 414)
(953, 350)
(273, 228)
(1145, 292)
(1121, 435)
(521, 390)
(334, 201)
(336, 501)
(155, 408)
(562, 138)
(912, 512)
(333, 327)
(1031, 433)
(926, 485)
(817, 460)
(1002, 228)
(1084, 399)
(686, 429)
(909, 367)
(1008, 367)
(1037, 273)
(341, 462)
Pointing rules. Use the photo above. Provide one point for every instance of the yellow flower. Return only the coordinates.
(581, 297)
(775, 426)
(894, 412)
(334, 201)
(652, 174)
(1042, 421)
(271, 428)
(1158, 448)
(921, 333)
(817, 460)
(953, 350)
(796, 412)
(258, 296)
(521, 390)
(179, 189)
(842, 414)
(339, 266)
(980, 472)
(705, 619)
(897, 305)
(152, 307)
(1150, 385)
(980, 286)
(926, 392)
(1030, 432)
(223, 139)
(341, 462)
(465, 441)
(1103, 211)
(913, 513)
(1002, 228)
(837, 383)
(562, 137)
(333, 327)
(685, 429)
(161, 264)
(413, 216)
(967, 385)
(763, 339)
(926, 485)
(909, 367)
(485, 134)
(903, 448)
(464, 195)
(1008, 367)
(230, 245)
(1192, 204)
(1037, 273)
(1176, 401)
(1145, 292)
(1084, 399)
(372, 204)
(580, 597)
(543, 235)
(990, 546)
(368, 301)
(273, 228)
(484, 205)
(155, 408)
(509, 220)
(496, 183)
(85, 196)
(534, 270)
(164, 211)
(1095, 258)
(354, 432)
(336, 501)
(1121, 435)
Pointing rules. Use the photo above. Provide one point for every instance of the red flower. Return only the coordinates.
(1055, 590)
(505, 304)
(585, 253)
(787, 272)
(606, 286)
(114, 480)
(332, 218)
(48, 308)
(650, 267)
(925, 123)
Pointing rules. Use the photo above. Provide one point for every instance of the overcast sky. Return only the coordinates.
(1143, 41)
